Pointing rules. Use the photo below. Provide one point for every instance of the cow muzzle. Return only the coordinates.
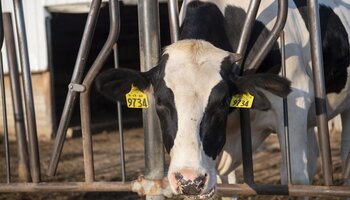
(191, 184)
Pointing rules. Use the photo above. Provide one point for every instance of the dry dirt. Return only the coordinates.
(107, 165)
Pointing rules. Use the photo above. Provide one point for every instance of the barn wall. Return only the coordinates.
(42, 100)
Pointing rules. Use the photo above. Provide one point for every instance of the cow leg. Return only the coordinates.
(303, 148)
(313, 153)
(345, 139)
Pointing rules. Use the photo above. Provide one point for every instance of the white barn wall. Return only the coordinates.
(35, 13)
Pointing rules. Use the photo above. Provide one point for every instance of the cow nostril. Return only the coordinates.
(200, 181)
(190, 186)
(178, 176)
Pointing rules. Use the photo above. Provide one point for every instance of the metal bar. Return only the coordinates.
(274, 34)
(222, 189)
(3, 97)
(22, 147)
(173, 10)
(247, 29)
(347, 167)
(149, 37)
(319, 87)
(285, 111)
(247, 151)
(88, 80)
(120, 124)
(28, 91)
(66, 187)
(80, 64)
(4, 118)
(286, 190)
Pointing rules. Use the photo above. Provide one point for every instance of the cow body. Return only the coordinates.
(197, 75)
(335, 21)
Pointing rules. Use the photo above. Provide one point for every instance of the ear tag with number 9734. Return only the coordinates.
(136, 98)
(244, 100)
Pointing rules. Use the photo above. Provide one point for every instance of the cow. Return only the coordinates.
(197, 76)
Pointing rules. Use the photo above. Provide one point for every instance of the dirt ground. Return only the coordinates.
(107, 165)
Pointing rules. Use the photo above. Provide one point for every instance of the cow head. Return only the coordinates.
(192, 86)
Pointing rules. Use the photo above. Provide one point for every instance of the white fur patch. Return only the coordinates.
(191, 72)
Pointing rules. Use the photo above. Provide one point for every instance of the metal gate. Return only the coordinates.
(152, 185)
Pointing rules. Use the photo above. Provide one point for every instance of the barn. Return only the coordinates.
(54, 30)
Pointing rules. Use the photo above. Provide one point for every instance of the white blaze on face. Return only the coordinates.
(192, 70)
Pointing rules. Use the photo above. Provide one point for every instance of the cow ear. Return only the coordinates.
(115, 83)
(273, 83)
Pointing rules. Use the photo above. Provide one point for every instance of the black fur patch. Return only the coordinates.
(165, 105)
(205, 21)
(213, 124)
(335, 46)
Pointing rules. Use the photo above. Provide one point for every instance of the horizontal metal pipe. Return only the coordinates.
(222, 189)
(285, 190)
(66, 187)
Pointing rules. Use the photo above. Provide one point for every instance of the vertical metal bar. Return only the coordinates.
(120, 124)
(4, 117)
(22, 147)
(149, 37)
(173, 10)
(28, 91)
(319, 86)
(79, 66)
(88, 80)
(285, 111)
(4, 110)
(274, 34)
(347, 167)
(247, 152)
(248, 172)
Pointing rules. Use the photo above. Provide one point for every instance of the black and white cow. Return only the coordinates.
(195, 79)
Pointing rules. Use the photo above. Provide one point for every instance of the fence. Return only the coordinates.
(152, 185)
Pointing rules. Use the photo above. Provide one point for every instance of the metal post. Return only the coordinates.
(285, 111)
(273, 36)
(247, 30)
(247, 151)
(148, 12)
(4, 118)
(22, 147)
(80, 63)
(120, 124)
(88, 80)
(347, 167)
(319, 86)
(173, 10)
(28, 91)
(3, 100)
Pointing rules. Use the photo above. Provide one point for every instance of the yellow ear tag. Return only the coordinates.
(136, 98)
(242, 100)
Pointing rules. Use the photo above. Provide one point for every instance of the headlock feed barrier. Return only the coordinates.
(153, 184)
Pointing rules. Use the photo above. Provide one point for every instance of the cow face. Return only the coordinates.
(192, 86)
